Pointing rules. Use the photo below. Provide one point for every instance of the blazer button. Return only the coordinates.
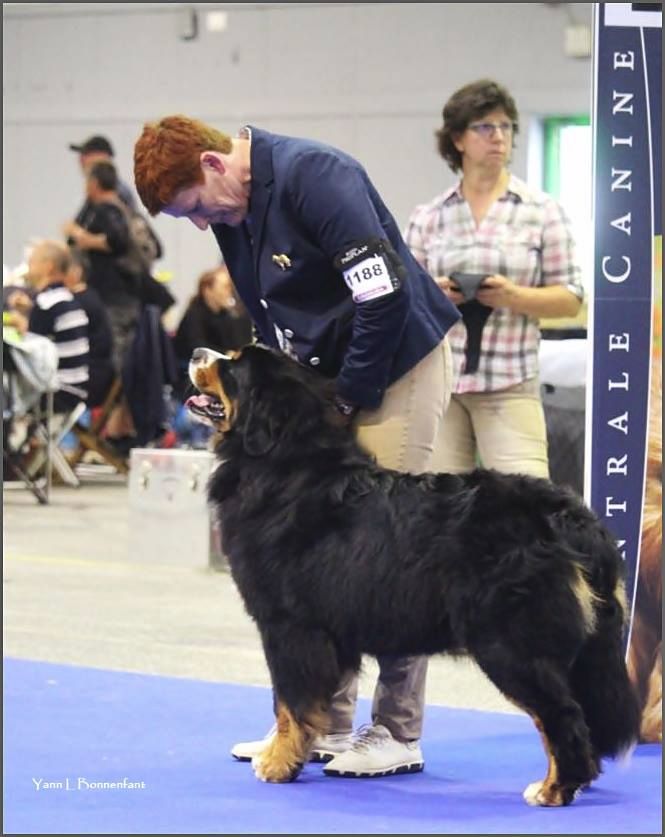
(314, 361)
(288, 333)
(263, 303)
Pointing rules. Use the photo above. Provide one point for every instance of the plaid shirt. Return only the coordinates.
(526, 237)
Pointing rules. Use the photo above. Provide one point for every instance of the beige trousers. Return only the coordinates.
(403, 434)
(504, 430)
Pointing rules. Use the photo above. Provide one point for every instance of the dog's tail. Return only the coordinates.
(600, 679)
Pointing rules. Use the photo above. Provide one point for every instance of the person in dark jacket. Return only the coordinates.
(320, 264)
(104, 235)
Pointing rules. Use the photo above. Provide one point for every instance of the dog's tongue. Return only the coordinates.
(201, 401)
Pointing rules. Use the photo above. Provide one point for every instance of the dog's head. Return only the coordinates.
(214, 405)
(260, 395)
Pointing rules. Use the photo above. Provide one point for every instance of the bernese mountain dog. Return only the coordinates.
(336, 557)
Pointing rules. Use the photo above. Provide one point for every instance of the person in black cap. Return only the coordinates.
(93, 150)
(92, 144)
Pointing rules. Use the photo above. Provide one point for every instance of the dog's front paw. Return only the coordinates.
(269, 769)
(552, 796)
(531, 793)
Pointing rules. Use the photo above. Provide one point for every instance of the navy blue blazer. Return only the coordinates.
(309, 202)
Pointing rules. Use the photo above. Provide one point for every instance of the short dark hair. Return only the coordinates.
(105, 174)
(471, 102)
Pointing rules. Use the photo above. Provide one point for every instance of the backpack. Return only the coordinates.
(144, 245)
(144, 238)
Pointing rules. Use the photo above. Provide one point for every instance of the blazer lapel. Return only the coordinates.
(236, 248)
(261, 193)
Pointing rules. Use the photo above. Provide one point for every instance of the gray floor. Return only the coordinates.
(80, 587)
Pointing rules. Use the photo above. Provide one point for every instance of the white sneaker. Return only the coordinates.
(326, 747)
(246, 750)
(376, 753)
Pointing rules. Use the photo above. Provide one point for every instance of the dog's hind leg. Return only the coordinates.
(305, 674)
(540, 687)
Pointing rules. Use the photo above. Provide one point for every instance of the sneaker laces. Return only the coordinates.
(369, 736)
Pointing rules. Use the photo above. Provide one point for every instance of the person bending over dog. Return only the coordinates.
(336, 557)
(323, 271)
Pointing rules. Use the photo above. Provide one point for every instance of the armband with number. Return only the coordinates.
(371, 269)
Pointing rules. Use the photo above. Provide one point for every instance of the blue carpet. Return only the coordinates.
(68, 725)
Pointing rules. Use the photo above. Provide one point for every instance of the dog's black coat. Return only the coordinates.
(335, 557)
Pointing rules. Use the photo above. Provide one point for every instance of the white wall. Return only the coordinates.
(371, 79)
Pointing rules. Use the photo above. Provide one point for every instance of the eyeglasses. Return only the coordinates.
(486, 129)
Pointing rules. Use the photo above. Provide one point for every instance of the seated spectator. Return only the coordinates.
(214, 318)
(100, 335)
(57, 315)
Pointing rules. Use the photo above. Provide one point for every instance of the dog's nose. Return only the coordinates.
(198, 354)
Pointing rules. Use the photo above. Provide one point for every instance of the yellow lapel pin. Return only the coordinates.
(282, 261)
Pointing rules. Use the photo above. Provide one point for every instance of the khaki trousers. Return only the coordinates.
(403, 434)
(505, 430)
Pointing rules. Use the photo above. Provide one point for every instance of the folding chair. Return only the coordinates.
(90, 438)
(51, 434)
(29, 378)
(14, 456)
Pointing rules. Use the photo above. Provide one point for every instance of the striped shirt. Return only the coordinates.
(525, 237)
(58, 316)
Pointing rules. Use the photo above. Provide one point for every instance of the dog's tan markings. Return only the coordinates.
(620, 596)
(207, 380)
(289, 749)
(586, 598)
(547, 792)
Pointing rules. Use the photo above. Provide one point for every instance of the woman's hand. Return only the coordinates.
(449, 289)
(498, 292)
(550, 301)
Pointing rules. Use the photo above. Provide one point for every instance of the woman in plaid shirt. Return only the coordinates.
(492, 225)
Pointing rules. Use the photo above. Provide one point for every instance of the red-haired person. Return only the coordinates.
(324, 273)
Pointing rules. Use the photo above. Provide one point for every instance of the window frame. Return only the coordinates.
(552, 127)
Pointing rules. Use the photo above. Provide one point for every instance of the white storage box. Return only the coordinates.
(170, 519)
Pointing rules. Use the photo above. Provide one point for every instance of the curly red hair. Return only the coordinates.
(167, 158)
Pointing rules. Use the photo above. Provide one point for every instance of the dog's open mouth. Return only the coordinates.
(208, 406)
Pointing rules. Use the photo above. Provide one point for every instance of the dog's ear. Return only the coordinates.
(262, 426)
(279, 411)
